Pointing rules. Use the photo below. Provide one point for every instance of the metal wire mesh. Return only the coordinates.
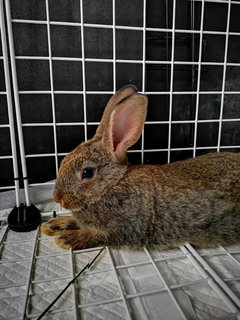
(123, 284)
(57, 79)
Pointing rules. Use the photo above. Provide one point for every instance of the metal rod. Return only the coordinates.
(9, 104)
(83, 72)
(52, 86)
(17, 102)
(224, 75)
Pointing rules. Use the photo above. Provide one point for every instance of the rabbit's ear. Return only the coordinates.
(126, 124)
(120, 95)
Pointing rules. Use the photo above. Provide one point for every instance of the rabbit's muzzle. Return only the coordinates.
(67, 201)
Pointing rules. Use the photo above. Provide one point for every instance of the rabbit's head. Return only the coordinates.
(94, 165)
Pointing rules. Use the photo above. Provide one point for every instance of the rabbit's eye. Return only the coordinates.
(87, 173)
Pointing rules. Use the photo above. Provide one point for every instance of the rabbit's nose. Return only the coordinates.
(57, 196)
(66, 201)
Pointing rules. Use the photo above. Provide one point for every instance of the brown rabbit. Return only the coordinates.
(113, 203)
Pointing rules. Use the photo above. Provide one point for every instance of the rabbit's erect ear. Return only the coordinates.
(126, 124)
(120, 95)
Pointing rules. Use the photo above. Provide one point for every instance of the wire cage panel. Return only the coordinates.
(122, 284)
(182, 57)
(60, 62)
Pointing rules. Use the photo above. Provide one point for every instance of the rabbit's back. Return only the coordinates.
(217, 171)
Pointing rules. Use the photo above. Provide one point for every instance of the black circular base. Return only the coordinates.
(23, 218)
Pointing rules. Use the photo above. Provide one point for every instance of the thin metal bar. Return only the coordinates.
(83, 72)
(219, 1)
(105, 26)
(51, 312)
(30, 274)
(16, 99)
(74, 293)
(198, 81)
(167, 288)
(114, 45)
(123, 298)
(140, 61)
(130, 151)
(98, 303)
(6, 261)
(9, 104)
(7, 188)
(147, 122)
(143, 70)
(52, 86)
(171, 81)
(3, 236)
(111, 92)
(15, 285)
(224, 76)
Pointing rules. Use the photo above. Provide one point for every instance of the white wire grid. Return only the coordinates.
(146, 284)
(28, 261)
(114, 62)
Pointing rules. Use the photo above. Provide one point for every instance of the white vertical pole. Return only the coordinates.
(224, 76)
(16, 99)
(171, 80)
(52, 87)
(9, 103)
(198, 81)
(114, 46)
(83, 72)
(143, 70)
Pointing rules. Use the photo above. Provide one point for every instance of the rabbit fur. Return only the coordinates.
(196, 200)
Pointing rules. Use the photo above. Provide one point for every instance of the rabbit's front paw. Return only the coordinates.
(56, 225)
(79, 239)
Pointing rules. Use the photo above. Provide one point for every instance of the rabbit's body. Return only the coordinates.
(197, 200)
(167, 205)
